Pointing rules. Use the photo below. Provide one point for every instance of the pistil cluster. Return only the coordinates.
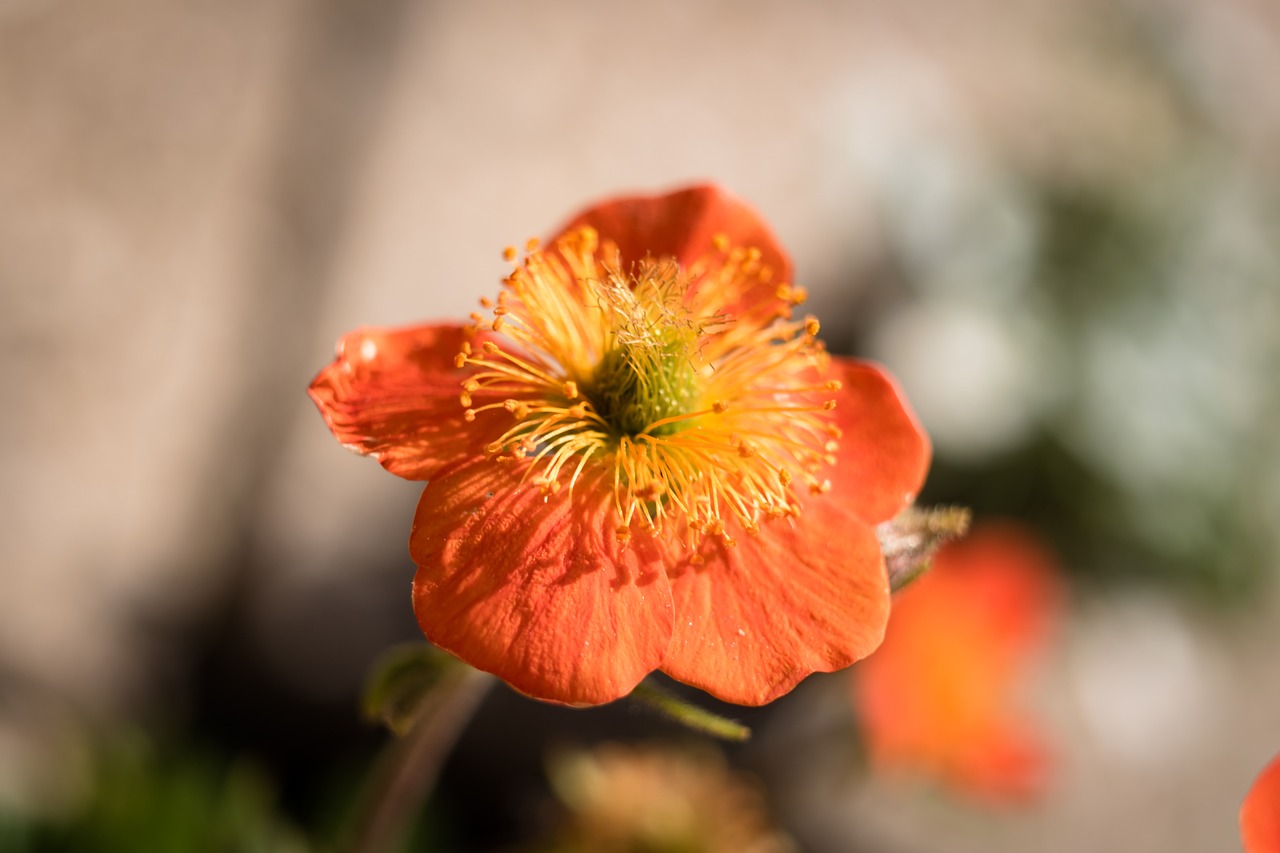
(712, 417)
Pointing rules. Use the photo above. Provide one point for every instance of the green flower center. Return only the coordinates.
(647, 373)
(639, 383)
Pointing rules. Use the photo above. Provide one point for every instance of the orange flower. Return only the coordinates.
(1260, 812)
(935, 696)
(630, 461)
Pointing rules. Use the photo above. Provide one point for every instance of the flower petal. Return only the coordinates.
(936, 695)
(884, 452)
(1260, 812)
(394, 394)
(683, 224)
(795, 599)
(537, 591)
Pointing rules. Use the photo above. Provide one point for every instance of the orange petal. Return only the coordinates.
(884, 452)
(1260, 812)
(795, 599)
(537, 591)
(683, 224)
(936, 695)
(394, 394)
(1007, 763)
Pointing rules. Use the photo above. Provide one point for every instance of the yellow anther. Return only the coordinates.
(517, 408)
(799, 295)
(833, 385)
(831, 446)
(587, 238)
(726, 413)
(486, 302)
(464, 398)
(531, 245)
(819, 488)
(829, 405)
(476, 317)
(651, 490)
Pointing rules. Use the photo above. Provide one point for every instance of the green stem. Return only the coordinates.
(691, 716)
(408, 769)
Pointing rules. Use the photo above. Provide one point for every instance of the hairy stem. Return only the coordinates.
(408, 769)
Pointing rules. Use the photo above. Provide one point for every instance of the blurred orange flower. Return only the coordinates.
(629, 461)
(935, 697)
(1260, 812)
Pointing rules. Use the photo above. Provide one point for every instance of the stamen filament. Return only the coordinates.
(617, 365)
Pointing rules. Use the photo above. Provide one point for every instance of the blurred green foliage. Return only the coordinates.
(148, 797)
(1160, 316)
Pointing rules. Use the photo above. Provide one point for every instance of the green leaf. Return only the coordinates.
(401, 683)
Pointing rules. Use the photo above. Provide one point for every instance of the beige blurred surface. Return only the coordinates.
(200, 197)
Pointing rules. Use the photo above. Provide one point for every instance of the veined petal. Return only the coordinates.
(537, 590)
(1260, 813)
(684, 225)
(394, 394)
(803, 596)
(884, 453)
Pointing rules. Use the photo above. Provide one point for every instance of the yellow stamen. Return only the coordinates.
(700, 416)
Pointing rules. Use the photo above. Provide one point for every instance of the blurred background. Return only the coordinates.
(1057, 222)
